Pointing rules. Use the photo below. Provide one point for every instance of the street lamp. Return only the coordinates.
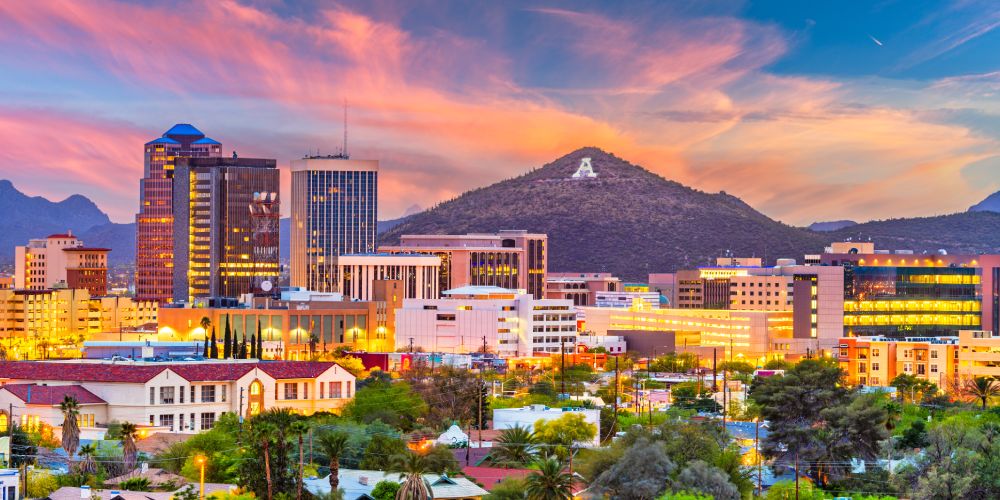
(200, 460)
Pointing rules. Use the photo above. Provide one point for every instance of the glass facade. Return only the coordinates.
(334, 212)
(901, 302)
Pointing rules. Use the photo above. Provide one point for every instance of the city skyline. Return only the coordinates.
(864, 113)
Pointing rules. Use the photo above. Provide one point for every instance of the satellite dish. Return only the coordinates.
(266, 286)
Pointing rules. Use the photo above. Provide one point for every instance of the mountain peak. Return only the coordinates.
(990, 204)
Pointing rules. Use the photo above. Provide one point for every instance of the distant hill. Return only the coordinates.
(990, 204)
(833, 225)
(968, 232)
(26, 217)
(627, 220)
(120, 238)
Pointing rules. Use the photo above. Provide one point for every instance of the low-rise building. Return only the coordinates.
(357, 274)
(174, 397)
(978, 354)
(876, 361)
(581, 288)
(508, 322)
(626, 299)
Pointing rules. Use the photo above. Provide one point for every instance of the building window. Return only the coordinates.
(192, 394)
(224, 391)
(347, 385)
(934, 369)
(305, 390)
(208, 394)
(167, 396)
(874, 367)
(181, 391)
(934, 355)
(291, 391)
(921, 369)
(335, 389)
(167, 421)
(322, 390)
(152, 396)
(874, 352)
(207, 420)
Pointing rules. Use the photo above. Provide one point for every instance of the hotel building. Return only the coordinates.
(512, 322)
(154, 223)
(61, 260)
(170, 397)
(53, 323)
(300, 324)
(334, 212)
(417, 272)
(506, 259)
(905, 295)
(876, 361)
(581, 288)
(225, 227)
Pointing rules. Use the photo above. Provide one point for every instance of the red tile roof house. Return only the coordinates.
(166, 397)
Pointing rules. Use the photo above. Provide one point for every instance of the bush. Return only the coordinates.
(385, 490)
(41, 483)
(136, 484)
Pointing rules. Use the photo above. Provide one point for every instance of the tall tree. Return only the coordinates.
(214, 347)
(550, 482)
(205, 351)
(227, 341)
(411, 467)
(88, 465)
(700, 476)
(981, 389)
(260, 344)
(642, 472)
(515, 447)
(253, 346)
(129, 452)
(243, 347)
(70, 408)
(334, 444)
(299, 430)
(236, 346)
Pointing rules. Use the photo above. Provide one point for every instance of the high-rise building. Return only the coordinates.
(154, 238)
(61, 260)
(511, 259)
(334, 212)
(418, 274)
(225, 227)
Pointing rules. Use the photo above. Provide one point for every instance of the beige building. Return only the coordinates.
(978, 354)
(53, 323)
(876, 361)
(506, 259)
(177, 397)
(61, 260)
(417, 273)
(581, 288)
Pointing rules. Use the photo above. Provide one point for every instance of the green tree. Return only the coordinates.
(260, 341)
(88, 466)
(913, 389)
(213, 351)
(129, 435)
(70, 428)
(642, 472)
(511, 488)
(564, 431)
(550, 482)
(777, 364)
(333, 444)
(915, 436)
(515, 447)
(702, 477)
(981, 389)
(675, 363)
(385, 490)
(394, 403)
(694, 396)
(253, 346)
(266, 467)
(456, 395)
(243, 347)
(227, 341)
(380, 450)
(411, 468)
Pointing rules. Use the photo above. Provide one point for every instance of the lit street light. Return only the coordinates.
(200, 461)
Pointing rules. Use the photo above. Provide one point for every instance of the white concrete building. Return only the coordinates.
(356, 274)
(506, 418)
(175, 397)
(512, 322)
(626, 299)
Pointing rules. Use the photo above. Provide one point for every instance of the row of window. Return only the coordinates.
(175, 395)
(336, 390)
(168, 420)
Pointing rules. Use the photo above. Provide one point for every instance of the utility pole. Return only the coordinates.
(796, 475)
(715, 382)
(411, 345)
(756, 452)
(10, 435)
(615, 424)
(479, 390)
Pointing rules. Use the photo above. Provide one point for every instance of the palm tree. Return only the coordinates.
(300, 429)
(411, 468)
(514, 447)
(550, 482)
(88, 465)
(70, 427)
(981, 388)
(333, 444)
(264, 432)
(129, 453)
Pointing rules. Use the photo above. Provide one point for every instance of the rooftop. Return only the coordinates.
(207, 140)
(137, 372)
(183, 129)
(50, 395)
(479, 290)
(163, 140)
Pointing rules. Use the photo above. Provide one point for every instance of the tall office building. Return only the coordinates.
(154, 240)
(334, 210)
(225, 227)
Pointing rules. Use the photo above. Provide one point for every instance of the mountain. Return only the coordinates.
(833, 225)
(627, 221)
(968, 232)
(120, 238)
(26, 217)
(990, 204)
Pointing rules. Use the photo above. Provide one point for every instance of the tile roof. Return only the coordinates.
(60, 235)
(163, 140)
(50, 395)
(489, 477)
(192, 372)
(183, 129)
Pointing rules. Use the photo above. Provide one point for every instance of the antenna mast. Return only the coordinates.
(345, 129)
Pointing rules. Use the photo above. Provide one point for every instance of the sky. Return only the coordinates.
(808, 111)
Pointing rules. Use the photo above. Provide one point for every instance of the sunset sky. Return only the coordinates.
(806, 110)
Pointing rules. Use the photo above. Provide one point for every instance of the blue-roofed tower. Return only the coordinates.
(154, 222)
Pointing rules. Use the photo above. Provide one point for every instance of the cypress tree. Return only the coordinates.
(253, 346)
(243, 347)
(204, 353)
(227, 344)
(214, 348)
(260, 345)
(235, 350)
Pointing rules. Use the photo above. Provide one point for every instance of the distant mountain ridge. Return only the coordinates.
(990, 204)
(832, 225)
